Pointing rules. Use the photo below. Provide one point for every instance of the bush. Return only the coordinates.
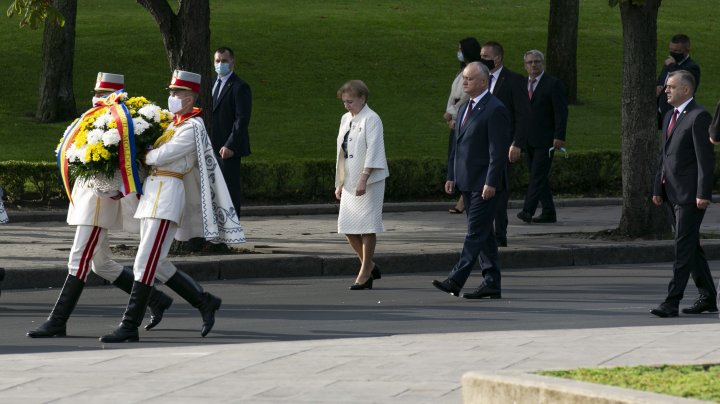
(582, 174)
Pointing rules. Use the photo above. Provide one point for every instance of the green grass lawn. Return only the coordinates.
(701, 382)
(296, 53)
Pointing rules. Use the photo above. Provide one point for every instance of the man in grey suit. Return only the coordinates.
(232, 105)
(477, 166)
(684, 180)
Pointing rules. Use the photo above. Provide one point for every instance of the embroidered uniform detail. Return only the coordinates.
(88, 252)
(96, 219)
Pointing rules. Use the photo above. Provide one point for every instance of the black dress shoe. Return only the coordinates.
(483, 292)
(501, 242)
(376, 272)
(664, 311)
(545, 219)
(448, 286)
(701, 306)
(525, 216)
(360, 286)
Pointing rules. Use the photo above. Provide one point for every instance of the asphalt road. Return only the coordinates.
(289, 309)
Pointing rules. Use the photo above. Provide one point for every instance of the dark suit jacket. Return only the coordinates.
(688, 65)
(231, 117)
(548, 112)
(511, 90)
(478, 154)
(686, 159)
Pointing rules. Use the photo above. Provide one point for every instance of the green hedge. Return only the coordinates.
(582, 174)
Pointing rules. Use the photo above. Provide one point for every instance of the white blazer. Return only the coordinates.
(365, 149)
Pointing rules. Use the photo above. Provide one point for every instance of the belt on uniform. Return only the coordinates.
(166, 173)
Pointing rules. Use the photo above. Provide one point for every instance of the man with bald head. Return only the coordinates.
(477, 167)
(684, 180)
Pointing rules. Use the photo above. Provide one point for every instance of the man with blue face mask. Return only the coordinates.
(232, 105)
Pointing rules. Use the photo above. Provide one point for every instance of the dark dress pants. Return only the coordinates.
(231, 173)
(479, 241)
(501, 217)
(689, 256)
(539, 163)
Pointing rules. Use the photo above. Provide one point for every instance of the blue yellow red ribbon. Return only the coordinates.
(126, 148)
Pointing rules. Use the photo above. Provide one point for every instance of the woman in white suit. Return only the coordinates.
(360, 172)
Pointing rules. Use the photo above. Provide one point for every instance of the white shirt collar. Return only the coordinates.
(682, 106)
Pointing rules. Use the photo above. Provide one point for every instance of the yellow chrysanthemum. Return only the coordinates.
(81, 138)
(112, 124)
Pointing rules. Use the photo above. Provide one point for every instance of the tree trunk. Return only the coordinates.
(562, 44)
(186, 37)
(640, 142)
(57, 99)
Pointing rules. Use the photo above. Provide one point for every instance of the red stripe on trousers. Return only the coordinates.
(154, 257)
(88, 253)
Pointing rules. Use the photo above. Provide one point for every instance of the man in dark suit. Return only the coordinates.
(477, 166)
(679, 59)
(509, 88)
(684, 179)
(232, 105)
(545, 134)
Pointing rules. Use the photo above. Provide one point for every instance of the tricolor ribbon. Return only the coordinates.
(126, 147)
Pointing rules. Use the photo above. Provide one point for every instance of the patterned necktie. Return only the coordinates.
(530, 88)
(467, 113)
(490, 83)
(216, 90)
(673, 120)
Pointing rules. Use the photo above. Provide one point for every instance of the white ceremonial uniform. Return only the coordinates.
(94, 215)
(162, 204)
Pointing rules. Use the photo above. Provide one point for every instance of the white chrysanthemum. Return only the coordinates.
(81, 154)
(111, 137)
(151, 112)
(95, 136)
(140, 125)
(102, 121)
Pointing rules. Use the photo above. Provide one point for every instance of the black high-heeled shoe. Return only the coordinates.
(376, 272)
(360, 286)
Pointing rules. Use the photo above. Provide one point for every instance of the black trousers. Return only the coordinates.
(231, 173)
(479, 242)
(539, 164)
(689, 256)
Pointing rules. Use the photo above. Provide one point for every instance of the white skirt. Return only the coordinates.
(362, 214)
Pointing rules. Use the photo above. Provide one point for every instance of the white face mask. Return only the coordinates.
(96, 99)
(174, 104)
(460, 56)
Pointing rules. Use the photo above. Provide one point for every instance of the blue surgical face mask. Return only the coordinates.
(460, 56)
(222, 68)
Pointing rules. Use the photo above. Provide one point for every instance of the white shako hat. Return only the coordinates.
(182, 80)
(109, 82)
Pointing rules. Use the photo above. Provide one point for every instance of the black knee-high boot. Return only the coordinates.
(55, 324)
(159, 301)
(134, 313)
(190, 290)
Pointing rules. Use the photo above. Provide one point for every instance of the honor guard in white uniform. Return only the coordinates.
(94, 213)
(184, 196)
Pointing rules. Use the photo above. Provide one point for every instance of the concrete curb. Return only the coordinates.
(224, 267)
(511, 388)
(59, 215)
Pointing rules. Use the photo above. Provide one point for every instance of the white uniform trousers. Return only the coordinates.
(91, 250)
(156, 237)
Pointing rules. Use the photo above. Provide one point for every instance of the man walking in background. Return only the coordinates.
(679, 58)
(545, 135)
(508, 87)
(232, 106)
